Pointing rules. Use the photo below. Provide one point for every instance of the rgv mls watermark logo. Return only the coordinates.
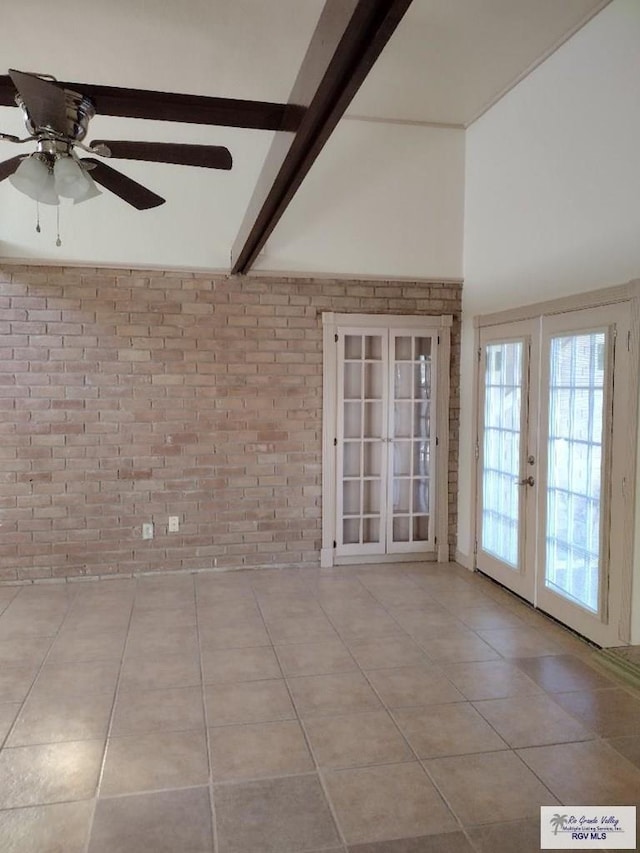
(588, 827)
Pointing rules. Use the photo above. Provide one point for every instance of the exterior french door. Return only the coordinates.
(507, 454)
(552, 414)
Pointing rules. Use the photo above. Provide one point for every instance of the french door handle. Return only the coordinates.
(528, 481)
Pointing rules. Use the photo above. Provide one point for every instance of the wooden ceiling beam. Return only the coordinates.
(348, 39)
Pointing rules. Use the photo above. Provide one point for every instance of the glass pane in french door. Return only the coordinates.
(412, 459)
(361, 435)
(574, 466)
(501, 461)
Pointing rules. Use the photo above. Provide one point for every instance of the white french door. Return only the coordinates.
(385, 444)
(552, 422)
(506, 450)
(385, 438)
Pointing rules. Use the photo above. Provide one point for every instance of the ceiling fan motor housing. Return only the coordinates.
(79, 112)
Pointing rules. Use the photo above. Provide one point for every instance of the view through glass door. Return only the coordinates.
(546, 447)
(506, 506)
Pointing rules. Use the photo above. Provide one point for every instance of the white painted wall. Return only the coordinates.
(552, 195)
(383, 199)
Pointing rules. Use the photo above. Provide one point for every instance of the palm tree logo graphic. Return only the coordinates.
(557, 821)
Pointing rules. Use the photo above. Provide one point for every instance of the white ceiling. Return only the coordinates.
(447, 61)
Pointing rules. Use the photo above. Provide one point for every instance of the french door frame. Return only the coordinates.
(332, 323)
(616, 628)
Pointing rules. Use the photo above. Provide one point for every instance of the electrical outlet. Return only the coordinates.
(174, 523)
(147, 530)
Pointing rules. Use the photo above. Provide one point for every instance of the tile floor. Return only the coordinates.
(402, 709)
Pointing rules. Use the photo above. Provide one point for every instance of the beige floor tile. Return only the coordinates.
(520, 642)
(381, 652)
(16, 625)
(521, 836)
(610, 713)
(412, 686)
(532, 721)
(450, 842)
(46, 829)
(168, 709)
(491, 616)
(161, 640)
(8, 713)
(176, 617)
(356, 740)
(87, 646)
(457, 646)
(79, 677)
(562, 673)
(49, 718)
(493, 679)
(236, 636)
(273, 816)
(321, 658)
(263, 749)
(387, 801)
(440, 730)
(149, 673)
(301, 630)
(365, 626)
(164, 822)
(26, 652)
(588, 772)
(226, 614)
(15, 682)
(425, 622)
(165, 592)
(276, 609)
(7, 594)
(489, 787)
(248, 702)
(49, 773)
(155, 761)
(629, 746)
(338, 693)
(215, 594)
(247, 664)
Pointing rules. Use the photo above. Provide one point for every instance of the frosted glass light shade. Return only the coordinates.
(70, 179)
(33, 178)
(91, 190)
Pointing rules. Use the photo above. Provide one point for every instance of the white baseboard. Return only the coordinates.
(465, 560)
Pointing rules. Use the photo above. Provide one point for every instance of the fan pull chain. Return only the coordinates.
(58, 240)
(38, 229)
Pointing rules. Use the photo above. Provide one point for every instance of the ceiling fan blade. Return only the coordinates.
(127, 189)
(175, 106)
(45, 101)
(8, 167)
(207, 156)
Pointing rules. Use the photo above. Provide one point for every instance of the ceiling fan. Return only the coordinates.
(57, 119)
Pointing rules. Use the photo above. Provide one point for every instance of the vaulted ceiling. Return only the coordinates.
(397, 152)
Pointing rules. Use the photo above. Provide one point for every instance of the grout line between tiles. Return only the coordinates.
(305, 735)
(109, 728)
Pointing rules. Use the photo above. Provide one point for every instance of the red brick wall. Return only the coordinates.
(129, 396)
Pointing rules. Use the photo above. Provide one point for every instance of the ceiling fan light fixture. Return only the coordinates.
(33, 178)
(71, 181)
(91, 190)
